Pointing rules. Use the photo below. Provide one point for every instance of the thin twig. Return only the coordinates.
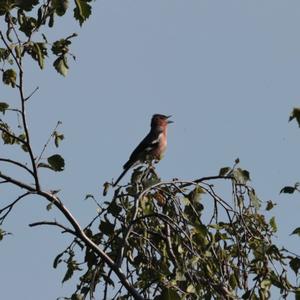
(54, 223)
(17, 164)
(31, 94)
(47, 142)
(10, 206)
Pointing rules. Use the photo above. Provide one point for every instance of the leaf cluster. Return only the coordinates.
(179, 240)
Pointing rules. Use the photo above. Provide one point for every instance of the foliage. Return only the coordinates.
(182, 240)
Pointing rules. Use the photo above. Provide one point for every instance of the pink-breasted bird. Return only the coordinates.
(152, 147)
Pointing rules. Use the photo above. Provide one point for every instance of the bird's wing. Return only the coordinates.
(146, 145)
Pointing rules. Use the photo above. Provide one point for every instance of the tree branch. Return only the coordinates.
(17, 164)
(18, 183)
(10, 206)
(54, 223)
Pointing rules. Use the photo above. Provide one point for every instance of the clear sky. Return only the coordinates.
(228, 72)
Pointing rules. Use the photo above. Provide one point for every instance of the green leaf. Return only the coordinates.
(114, 209)
(224, 171)
(273, 224)
(56, 162)
(168, 294)
(28, 25)
(26, 4)
(191, 289)
(49, 206)
(270, 205)
(57, 138)
(295, 114)
(3, 107)
(9, 77)
(61, 66)
(241, 176)
(77, 297)
(295, 264)
(195, 194)
(60, 6)
(255, 201)
(68, 274)
(7, 137)
(106, 227)
(82, 11)
(5, 6)
(296, 231)
(4, 54)
(288, 190)
(57, 260)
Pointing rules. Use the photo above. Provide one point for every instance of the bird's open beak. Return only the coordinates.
(170, 121)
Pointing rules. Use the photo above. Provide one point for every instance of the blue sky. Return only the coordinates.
(228, 72)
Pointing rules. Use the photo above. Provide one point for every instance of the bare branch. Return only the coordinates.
(54, 223)
(10, 206)
(31, 94)
(17, 164)
(47, 142)
(18, 183)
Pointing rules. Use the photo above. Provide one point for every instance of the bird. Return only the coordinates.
(152, 147)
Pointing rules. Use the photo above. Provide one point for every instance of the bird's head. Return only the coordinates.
(159, 120)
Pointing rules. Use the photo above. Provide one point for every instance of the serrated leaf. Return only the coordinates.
(224, 171)
(60, 66)
(295, 114)
(82, 11)
(57, 138)
(255, 201)
(295, 264)
(68, 274)
(3, 107)
(9, 77)
(27, 4)
(77, 297)
(241, 176)
(60, 6)
(273, 224)
(114, 208)
(168, 294)
(39, 53)
(270, 205)
(56, 162)
(296, 231)
(191, 289)
(106, 227)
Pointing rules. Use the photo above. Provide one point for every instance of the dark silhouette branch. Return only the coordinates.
(14, 162)
(10, 206)
(54, 223)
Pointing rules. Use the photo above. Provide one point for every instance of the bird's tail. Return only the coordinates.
(126, 168)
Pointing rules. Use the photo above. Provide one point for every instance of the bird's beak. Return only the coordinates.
(169, 121)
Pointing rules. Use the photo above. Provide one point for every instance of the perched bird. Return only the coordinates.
(152, 147)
